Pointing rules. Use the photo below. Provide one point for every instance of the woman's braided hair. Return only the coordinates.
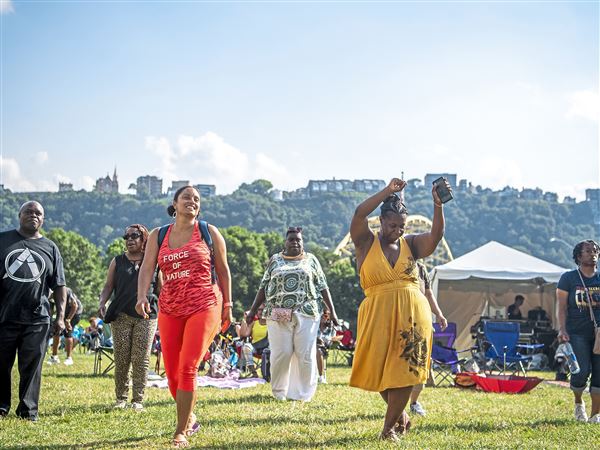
(393, 204)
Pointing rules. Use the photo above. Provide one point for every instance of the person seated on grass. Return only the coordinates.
(254, 339)
(326, 336)
(90, 336)
(73, 311)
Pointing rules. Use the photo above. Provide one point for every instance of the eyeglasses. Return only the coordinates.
(294, 230)
(132, 236)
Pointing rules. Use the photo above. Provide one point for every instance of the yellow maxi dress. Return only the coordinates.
(395, 331)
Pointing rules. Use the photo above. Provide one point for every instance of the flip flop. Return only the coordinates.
(193, 429)
(180, 443)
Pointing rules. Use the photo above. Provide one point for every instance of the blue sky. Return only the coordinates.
(224, 93)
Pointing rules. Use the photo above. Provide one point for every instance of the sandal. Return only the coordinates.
(389, 435)
(403, 425)
(180, 443)
(194, 427)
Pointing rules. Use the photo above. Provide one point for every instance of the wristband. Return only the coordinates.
(226, 304)
(439, 205)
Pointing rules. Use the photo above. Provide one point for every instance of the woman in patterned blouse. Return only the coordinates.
(292, 288)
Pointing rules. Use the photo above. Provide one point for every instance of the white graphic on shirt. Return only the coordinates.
(26, 267)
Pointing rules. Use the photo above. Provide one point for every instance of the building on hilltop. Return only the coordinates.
(65, 187)
(550, 197)
(317, 187)
(206, 190)
(592, 196)
(148, 186)
(531, 194)
(175, 185)
(107, 185)
(569, 200)
(431, 177)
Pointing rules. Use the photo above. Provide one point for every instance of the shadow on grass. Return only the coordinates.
(479, 427)
(340, 442)
(105, 443)
(71, 375)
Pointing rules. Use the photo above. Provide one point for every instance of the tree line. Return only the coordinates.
(253, 224)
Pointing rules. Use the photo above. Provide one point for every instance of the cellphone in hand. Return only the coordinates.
(443, 192)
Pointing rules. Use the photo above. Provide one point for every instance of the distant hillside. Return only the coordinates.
(471, 219)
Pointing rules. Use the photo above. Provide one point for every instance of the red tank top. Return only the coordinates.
(187, 287)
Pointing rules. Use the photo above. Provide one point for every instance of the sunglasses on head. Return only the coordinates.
(132, 236)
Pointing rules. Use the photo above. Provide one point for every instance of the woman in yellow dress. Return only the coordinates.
(393, 345)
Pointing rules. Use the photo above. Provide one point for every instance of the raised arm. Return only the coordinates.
(360, 233)
(423, 245)
(146, 273)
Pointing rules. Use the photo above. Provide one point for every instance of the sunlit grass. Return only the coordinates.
(75, 412)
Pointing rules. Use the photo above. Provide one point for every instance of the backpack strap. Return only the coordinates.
(208, 239)
(162, 232)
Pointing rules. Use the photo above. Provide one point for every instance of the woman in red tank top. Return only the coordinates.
(192, 310)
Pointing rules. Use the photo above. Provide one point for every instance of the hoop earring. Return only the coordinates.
(174, 214)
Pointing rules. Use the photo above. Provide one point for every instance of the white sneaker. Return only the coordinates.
(136, 406)
(68, 361)
(595, 419)
(54, 360)
(580, 414)
(322, 379)
(417, 408)
(120, 404)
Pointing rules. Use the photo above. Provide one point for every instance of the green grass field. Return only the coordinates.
(75, 412)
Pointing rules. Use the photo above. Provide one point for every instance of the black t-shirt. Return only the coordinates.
(125, 293)
(29, 268)
(514, 312)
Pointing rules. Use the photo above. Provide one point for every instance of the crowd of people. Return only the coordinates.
(176, 279)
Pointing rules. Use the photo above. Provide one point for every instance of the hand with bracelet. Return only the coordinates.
(226, 315)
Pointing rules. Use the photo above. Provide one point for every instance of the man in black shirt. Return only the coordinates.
(514, 310)
(30, 265)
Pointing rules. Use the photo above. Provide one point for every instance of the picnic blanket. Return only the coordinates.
(229, 382)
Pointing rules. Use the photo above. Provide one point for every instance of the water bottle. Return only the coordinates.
(566, 349)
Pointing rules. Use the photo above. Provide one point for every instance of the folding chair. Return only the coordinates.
(502, 353)
(104, 349)
(445, 360)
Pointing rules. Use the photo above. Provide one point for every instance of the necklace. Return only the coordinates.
(135, 263)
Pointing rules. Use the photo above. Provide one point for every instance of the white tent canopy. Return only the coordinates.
(490, 277)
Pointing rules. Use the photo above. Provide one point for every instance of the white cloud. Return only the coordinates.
(88, 182)
(11, 176)
(41, 157)
(584, 104)
(6, 6)
(496, 173)
(209, 159)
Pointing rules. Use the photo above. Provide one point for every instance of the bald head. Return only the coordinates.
(31, 203)
(31, 219)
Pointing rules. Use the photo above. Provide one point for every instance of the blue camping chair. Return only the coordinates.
(446, 362)
(502, 353)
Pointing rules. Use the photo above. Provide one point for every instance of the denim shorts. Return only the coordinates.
(588, 362)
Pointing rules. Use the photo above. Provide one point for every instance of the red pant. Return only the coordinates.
(184, 341)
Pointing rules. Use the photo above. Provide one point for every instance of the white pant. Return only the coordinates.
(293, 357)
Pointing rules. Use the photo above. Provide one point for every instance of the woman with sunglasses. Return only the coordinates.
(393, 345)
(132, 334)
(291, 289)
